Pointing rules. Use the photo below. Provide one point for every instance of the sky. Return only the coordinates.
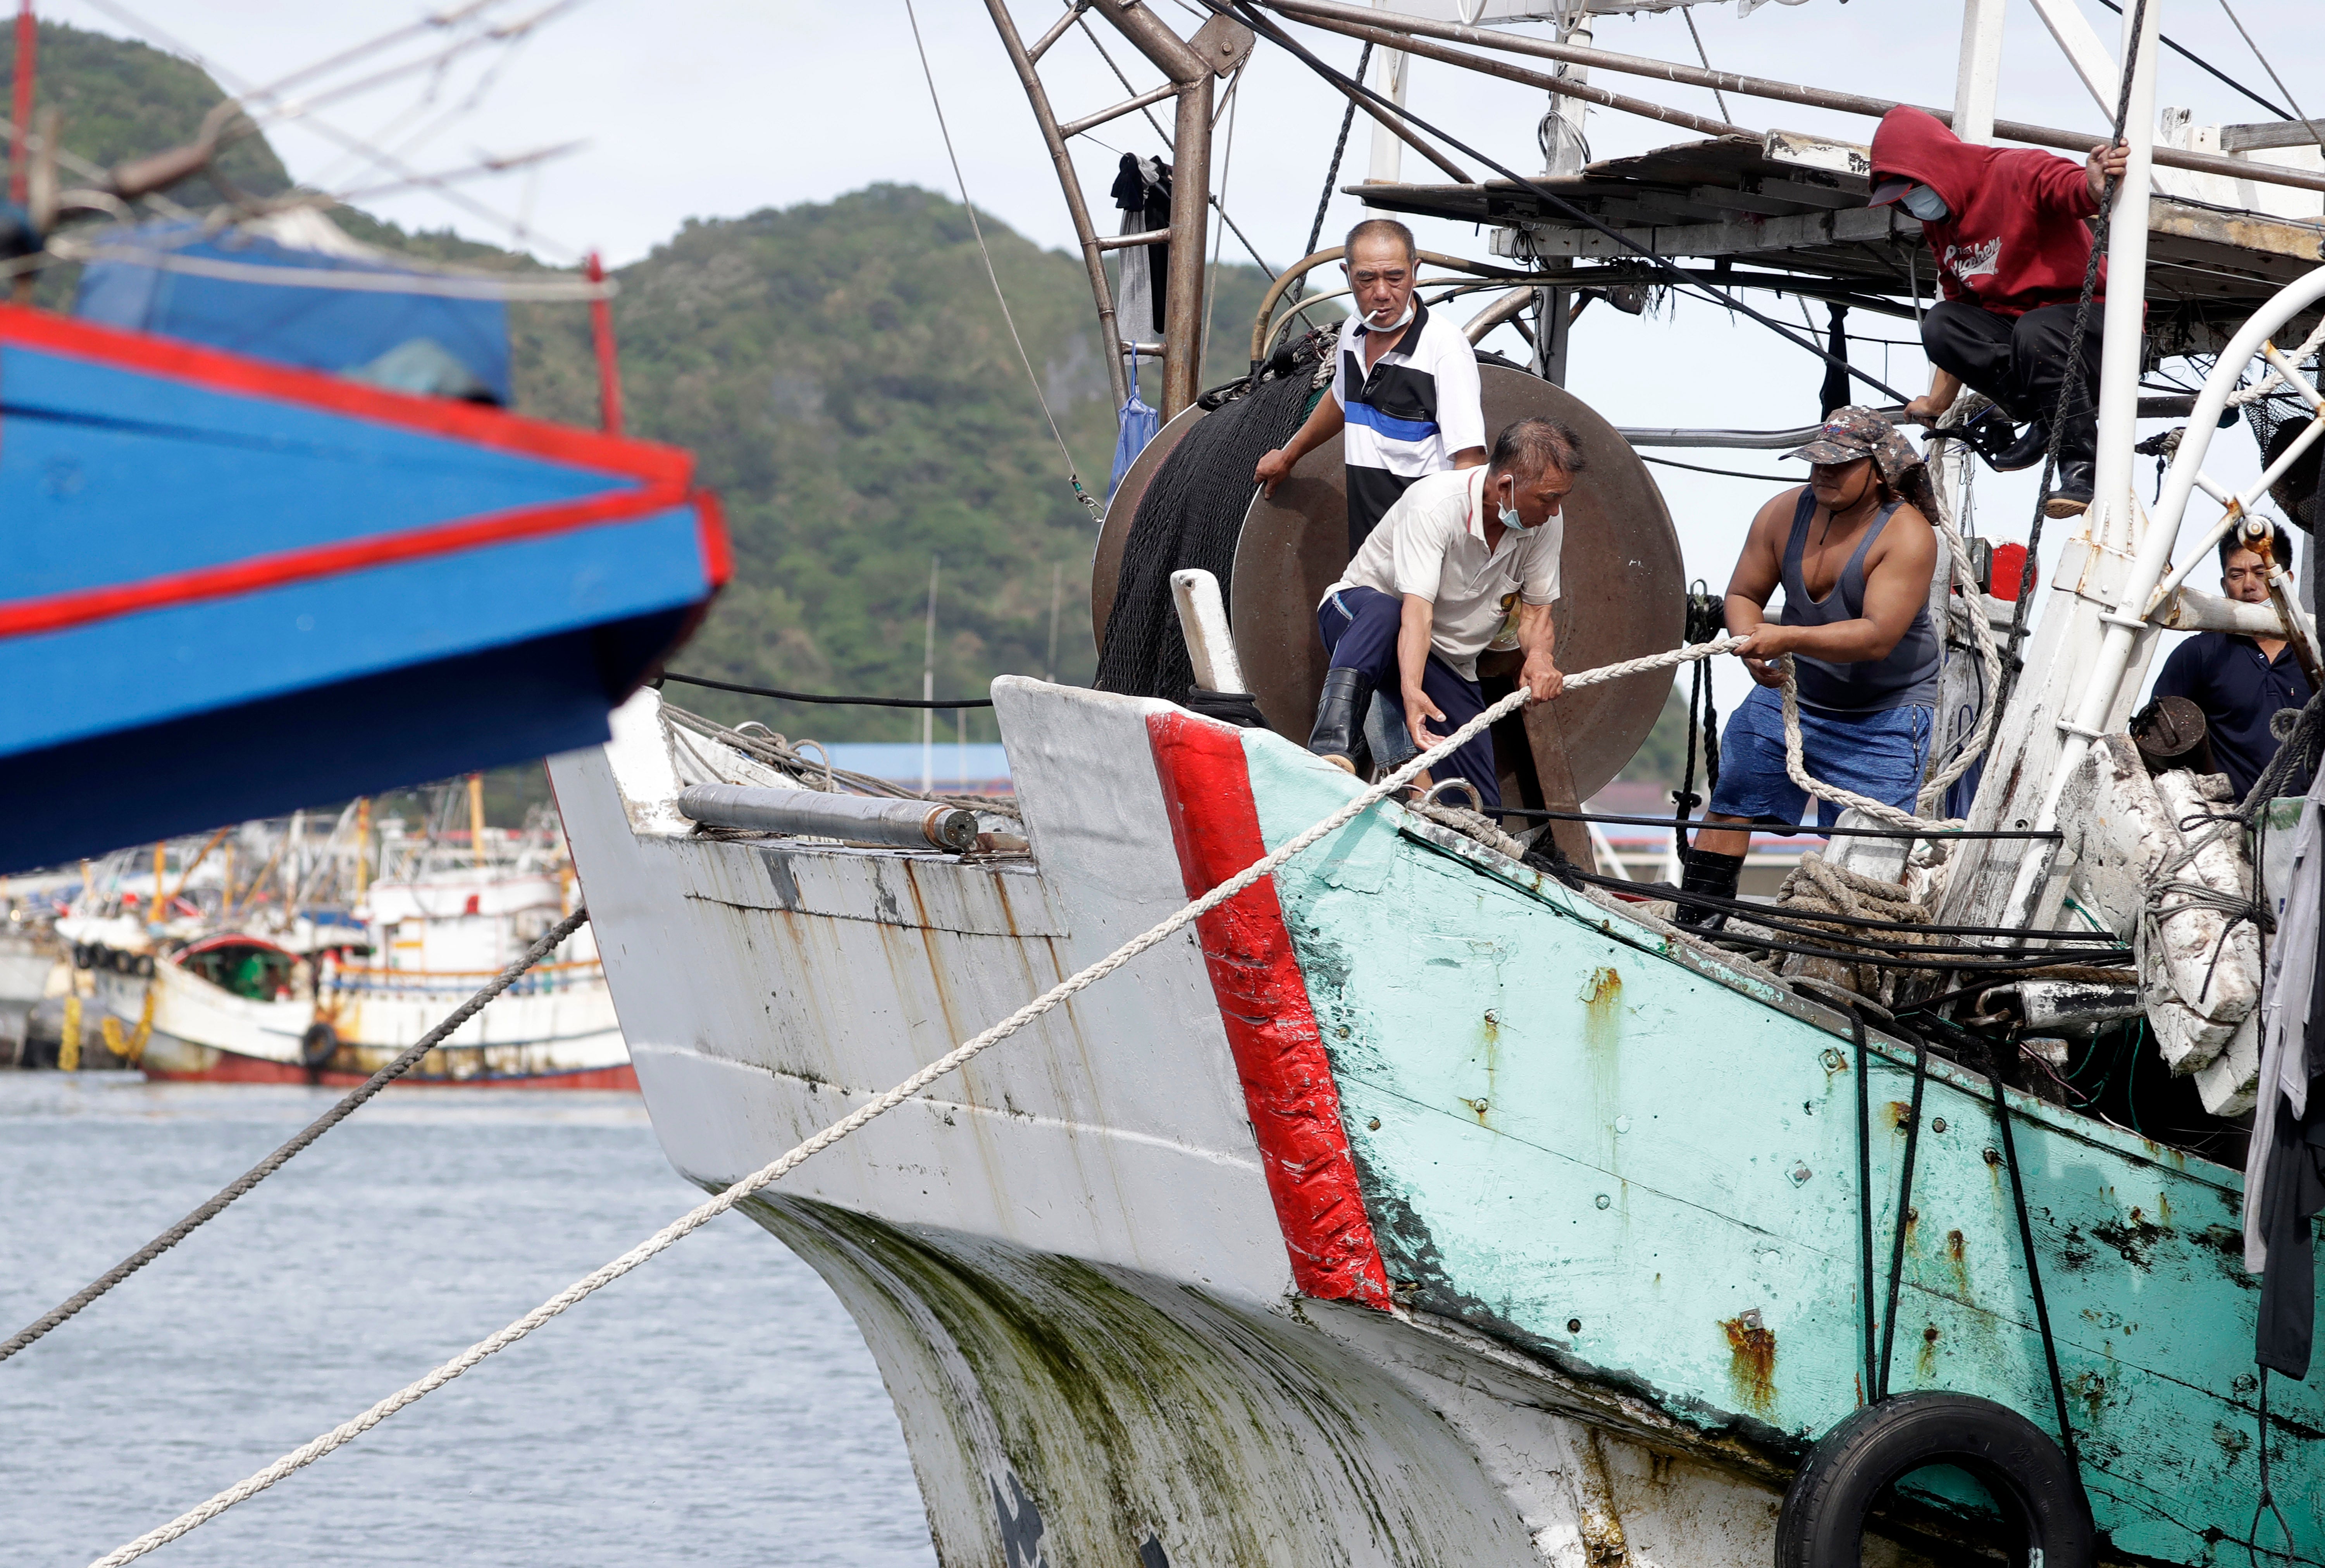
(704, 108)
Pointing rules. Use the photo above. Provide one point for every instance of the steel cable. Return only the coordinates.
(307, 1135)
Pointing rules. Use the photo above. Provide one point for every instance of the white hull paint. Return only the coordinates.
(1066, 1258)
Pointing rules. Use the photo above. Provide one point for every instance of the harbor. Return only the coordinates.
(1431, 782)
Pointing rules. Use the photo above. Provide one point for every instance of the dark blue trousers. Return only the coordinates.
(1359, 627)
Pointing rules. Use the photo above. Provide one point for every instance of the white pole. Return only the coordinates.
(1389, 68)
(2112, 493)
(929, 687)
(1057, 587)
(1980, 71)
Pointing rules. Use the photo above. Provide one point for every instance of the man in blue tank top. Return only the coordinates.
(1854, 552)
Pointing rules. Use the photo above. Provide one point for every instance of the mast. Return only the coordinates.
(2085, 659)
(1190, 66)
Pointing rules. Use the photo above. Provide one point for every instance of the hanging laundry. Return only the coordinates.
(1139, 423)
(1143, 191)
(2285, 1167)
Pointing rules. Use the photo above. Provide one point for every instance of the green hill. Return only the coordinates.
(846, 379)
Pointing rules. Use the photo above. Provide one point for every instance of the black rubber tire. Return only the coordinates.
(123, 962)
(318, 1045)
(144, 966)
(84, 955)
(2029, 1479)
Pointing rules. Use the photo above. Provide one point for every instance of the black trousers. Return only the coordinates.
(2020, 362)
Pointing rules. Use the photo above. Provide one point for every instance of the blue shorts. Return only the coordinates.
(1877, 755)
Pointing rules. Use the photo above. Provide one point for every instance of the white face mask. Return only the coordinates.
(1371, 326)
(1923, 203)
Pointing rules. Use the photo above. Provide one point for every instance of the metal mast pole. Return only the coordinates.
(1093, 258)
(1191, 194)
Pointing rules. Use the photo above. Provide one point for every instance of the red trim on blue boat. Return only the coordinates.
(717, 551)
(1287, 1079)
(232, 373)
(61, 612)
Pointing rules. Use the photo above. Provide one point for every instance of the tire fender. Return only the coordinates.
(318, 1045)
(2045, 1517)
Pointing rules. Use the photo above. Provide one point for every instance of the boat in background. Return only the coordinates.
(337, 958)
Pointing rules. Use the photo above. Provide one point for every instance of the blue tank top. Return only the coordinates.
(1910, 672)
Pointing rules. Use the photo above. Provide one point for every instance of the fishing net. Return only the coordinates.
(1191, 516)
(2276, 421)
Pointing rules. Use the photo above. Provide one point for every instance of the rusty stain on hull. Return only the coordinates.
(1752, 1358)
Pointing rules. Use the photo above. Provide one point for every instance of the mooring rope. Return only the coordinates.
(958, 1056)
(346, 1107)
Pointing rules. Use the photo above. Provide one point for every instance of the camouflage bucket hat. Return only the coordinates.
(1853, 432)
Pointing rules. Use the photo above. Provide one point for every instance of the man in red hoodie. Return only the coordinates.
(2009, 229)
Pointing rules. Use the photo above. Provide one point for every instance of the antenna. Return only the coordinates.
(929, 687)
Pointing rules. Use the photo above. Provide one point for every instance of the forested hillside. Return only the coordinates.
(846, 381)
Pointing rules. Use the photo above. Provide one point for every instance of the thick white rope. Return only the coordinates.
(1794, 766)
(347, 1431)
(2275, 378)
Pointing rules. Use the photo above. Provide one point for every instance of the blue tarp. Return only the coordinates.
(317, 329)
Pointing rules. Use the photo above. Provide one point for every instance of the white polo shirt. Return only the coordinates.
(1432, 545)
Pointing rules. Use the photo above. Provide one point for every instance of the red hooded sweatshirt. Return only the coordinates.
(2013, 238)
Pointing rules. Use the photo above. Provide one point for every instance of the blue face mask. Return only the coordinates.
(1510, 518)
(1923, 203)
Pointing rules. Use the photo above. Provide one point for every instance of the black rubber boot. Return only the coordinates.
(2033, 445)
(1339, 731)
(2070, 487)
(1713, 874)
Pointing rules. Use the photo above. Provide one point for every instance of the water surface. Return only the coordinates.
(716, 1406)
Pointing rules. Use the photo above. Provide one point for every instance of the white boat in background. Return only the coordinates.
(330, 994)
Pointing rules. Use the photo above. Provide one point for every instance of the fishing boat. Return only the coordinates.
(261, 486)
(391, 930)
(1432, 1200)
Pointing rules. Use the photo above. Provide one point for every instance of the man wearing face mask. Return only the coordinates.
(1404, 386)
(1432, 587)
(2009, 229)
(1853, 550)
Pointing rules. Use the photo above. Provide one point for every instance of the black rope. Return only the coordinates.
(1865, 1198)
(855, 701)
(1707, 620)
(1904, 1216)
(2070, 384)
(1723, 472)
(314, 1129)
(2208, 68)
(1316, 229)
(1245, 12)
(2267, 1500)
(1772, 914)
(2034, 1264)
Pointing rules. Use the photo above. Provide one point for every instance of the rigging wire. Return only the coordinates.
(1686, 13)
(2209, 69)
(1145, 111)
(1219, 200)
(2279, 80)
(348, 140)
(1316, 229)
(1723, 472)
(1250, 16)
(976, 229)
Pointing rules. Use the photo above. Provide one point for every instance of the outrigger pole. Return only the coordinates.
(1190, 66)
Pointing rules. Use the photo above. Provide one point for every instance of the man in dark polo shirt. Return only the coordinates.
(2240, 682)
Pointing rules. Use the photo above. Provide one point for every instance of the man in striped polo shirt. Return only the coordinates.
(1404, 389)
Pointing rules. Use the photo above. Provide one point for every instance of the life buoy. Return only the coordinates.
(2045, 1517)
(318, 1045)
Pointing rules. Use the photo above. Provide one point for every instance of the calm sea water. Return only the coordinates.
(715, 1407)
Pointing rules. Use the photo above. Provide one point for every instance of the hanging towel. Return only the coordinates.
(1139, 424)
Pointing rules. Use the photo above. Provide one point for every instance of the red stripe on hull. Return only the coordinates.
(1279, 1054)
(81, 607)
(235, 1069)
